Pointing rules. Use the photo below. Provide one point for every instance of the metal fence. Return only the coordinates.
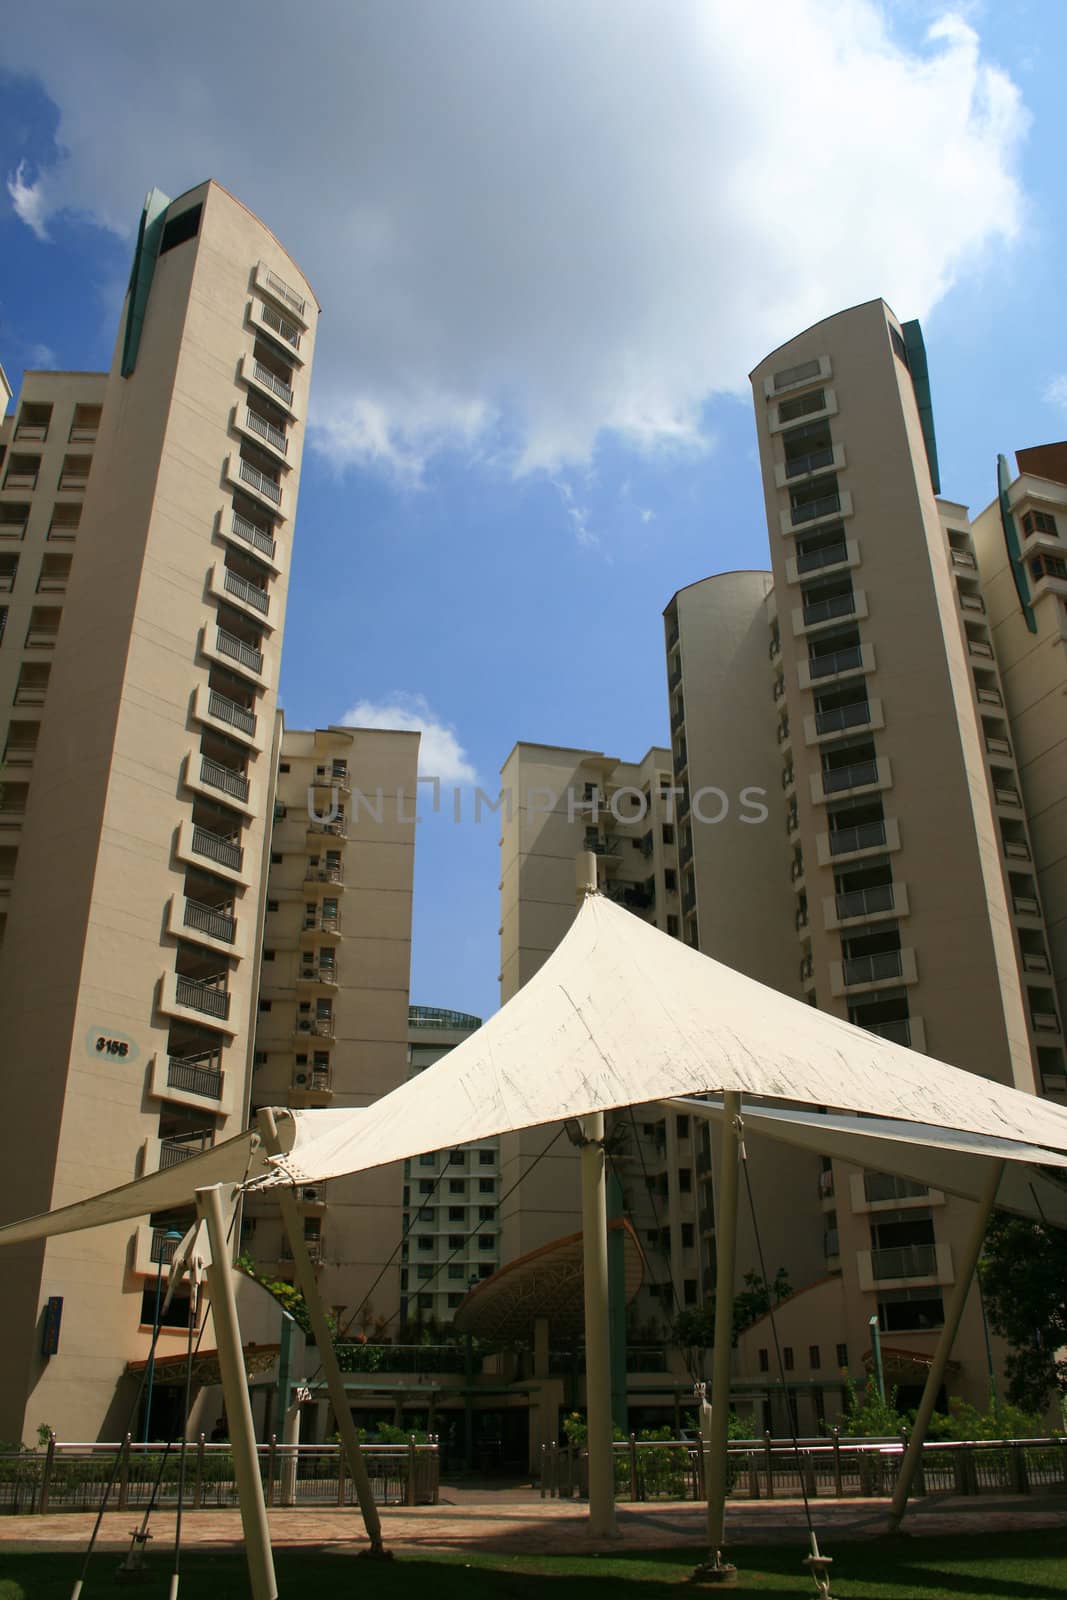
(834, 1467)
(73, 1477)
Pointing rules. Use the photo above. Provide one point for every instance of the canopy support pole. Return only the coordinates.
(599, 1443)
(965, 1271)
(725, 1266)
(305, 1277)
(254, 1524)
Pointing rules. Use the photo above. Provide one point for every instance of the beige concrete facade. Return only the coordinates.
(150, 510)
(333, 990)
(449, 1196)
(1028, 626)
(560, 802)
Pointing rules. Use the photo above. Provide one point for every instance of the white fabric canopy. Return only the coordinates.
(621, 1014)
(940, 1158)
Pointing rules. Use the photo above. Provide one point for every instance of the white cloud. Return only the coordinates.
(532, 225)
(42, 357)
(1056, 391)
(29, 201)
(440, 753)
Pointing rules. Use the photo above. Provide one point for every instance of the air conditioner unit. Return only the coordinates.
(309, 1194)
(301, 1078)
(304, 1027)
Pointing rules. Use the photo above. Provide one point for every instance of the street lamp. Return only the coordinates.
(468, 1383)
(876, 1352)
(171, 1237)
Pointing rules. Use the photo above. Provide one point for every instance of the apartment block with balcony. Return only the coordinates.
(558, 803)
(146, 583)
(897, 771)
(450, 1197)
(332, 1021)
(1020, 546)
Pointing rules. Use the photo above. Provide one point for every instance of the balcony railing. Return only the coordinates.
(824, 666)
(41, 638)
(838, 605)
(162, 1249)
(865, 836)
(315, 1027)
(266, 430)
(270, 380)
(795, 465)
(831, 1243)
(322, 924)
(831, 556)
(1005, 796)
(1026, 905)
(873, 969)
(898, 1030)
(856, 715)
(904, 1261)
(248, 592)
(990, 697)
(203, 996)
(281, 289)
(216, 848)
(256, 537)
(37, 431)
(194, 1077)
(318, 972)
(260, 482)
(972, 602)
(174, 1151)
(886, 1186)
(979, 647)
(224, 778)
(997, 746)
(1045, 1021)
(338, 829)
(856, 776)
(1017, 849)
(227, 710)
(228, 644)
(862, 902)
(824, 506)
(208, 919)
(963, 558)
(323, 875)
(281, 325)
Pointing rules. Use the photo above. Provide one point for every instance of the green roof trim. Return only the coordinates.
(920, 378)
(1011, 540)
(141, 274)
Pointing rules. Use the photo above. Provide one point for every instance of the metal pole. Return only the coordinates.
(305, 1277)
(597, 1330)
(964, 1274)
(254, 1524)
(725, 1259)
(152, 1354)
(876, 1355)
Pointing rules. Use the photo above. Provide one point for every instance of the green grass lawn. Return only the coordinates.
(1012, 1566)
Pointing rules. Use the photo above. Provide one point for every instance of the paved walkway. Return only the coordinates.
(519, 1522)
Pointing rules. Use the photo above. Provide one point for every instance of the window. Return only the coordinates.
(486, 1242)
(896, 339)
(670, 879)
(283, 766)
(457, 1213)
(455, 1241)
(426, 1214)
(485, 1270)
(486, 1157)
(486, 1185)
(424, 1242)
(764, 1361)
(688, 1236)
(486, 1213)
(176, 230)
(1040, 522)
(1045, 566)
(787, 1357)
(425, 1302)
(456, 1270)
(668, 832)
(426, 1186)
(454, 1300)
(910, 1310)
(689, 1291)
(175, 1316)
(788, 375)
(427, 1161)
(275, 858)
(842, 1355)
(457, 1158)
(802, 406)
(264, 1005)
(814, 1357)
(685, 1180)
(457, 1186)
(424, 1272)
(672, 926)
(268, 955)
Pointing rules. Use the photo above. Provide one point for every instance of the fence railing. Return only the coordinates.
(832, 1467)
(73, 1477)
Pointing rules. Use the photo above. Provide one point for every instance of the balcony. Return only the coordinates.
(335, 830)
(187, 1080)
(903, 1264)
(980, 647)
(225, 779)
(41, 638)
(826, 505)
(839, 718)
(281, 328)
(1005, 795)
(879, 968)
(871, 773)
(1044, 1022)
(314, 1028)
(831, 1244)
(172, 1152)
(832, 555)
(202, 995)
(865, 836)
(907, 1031)
(218, 925)
(281, 291)
(234, 649)
(971, 602)
(13, 521)
(248, 594)
(267, 432)
(1035, 962)
(254, 372)
(989, 697)
(334, 875)
(222, 709)
(311, 1088)
(214, 848)
(877, 900)
(322, 923)
(996, 746)
(962, 558)
(258, 538)
(252, 478)
(846, 659)
(1025, 905)
(152, 1249)
(797, 466)
(317, 974)
(820, 611)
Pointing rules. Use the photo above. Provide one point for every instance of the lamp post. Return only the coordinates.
(876, 1352)
(171, 1237)
(468, 1397)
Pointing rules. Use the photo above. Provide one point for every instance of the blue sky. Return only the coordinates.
(550, 242)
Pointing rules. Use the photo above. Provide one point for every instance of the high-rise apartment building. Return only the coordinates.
(146, 521)
(333, 988)
(1021, 545)
(450, 1221)
(564, 801)
(896, 853)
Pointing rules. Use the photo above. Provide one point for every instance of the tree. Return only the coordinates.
(288, 1297)
(1023, 1273)
(696, 1329)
